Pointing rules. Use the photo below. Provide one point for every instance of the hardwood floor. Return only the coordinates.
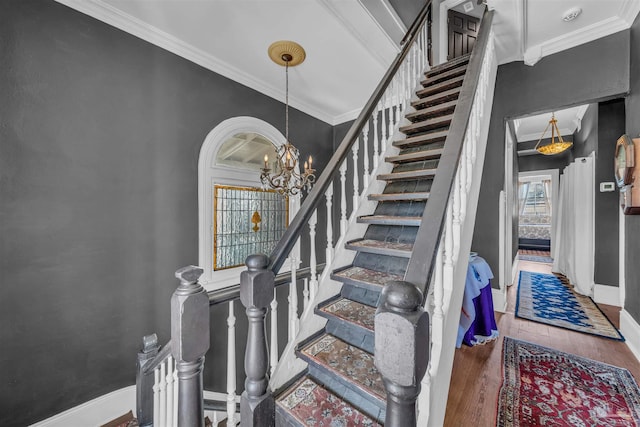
(477, 371)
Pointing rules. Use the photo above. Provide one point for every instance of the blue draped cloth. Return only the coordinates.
(477, 320)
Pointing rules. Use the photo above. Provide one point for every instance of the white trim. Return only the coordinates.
(95, 412)
(108, 14)
(499, 300)
(567, 41)
(631, 332)
(209, 173)
(346, 117)
(629, 10)
(605, 294)
(514, 269)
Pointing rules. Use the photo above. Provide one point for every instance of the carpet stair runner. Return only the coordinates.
(341, 385)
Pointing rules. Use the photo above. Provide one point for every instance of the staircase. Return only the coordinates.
(341, 382)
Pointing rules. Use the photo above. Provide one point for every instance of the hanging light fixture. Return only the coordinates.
(285, 178)
(555, 146)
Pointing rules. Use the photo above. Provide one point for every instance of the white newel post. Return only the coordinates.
(356, 183)
(313, 273)
(343, 198)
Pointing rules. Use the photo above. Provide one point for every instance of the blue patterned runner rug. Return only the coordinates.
(545, 298)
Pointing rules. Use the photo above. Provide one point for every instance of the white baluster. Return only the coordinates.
(456, 217)
(293, 301)
(313, 278)
(383, 124)
(329, 253)
(365, 154)
(343, 198)
(156, 395)
(231, 366)
(163, 394)
(174, 422)
(376, 143)
(305, 293)
(438, 289)
(390, 110)
(356, 183)
(448, 257)
(467, 145)
(273, 344)
(170, 402)
(396, 104)
(462, 170)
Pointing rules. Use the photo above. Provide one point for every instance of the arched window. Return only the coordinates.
(236, 217)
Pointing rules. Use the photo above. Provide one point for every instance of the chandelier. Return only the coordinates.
(285, 178)
(555, 146)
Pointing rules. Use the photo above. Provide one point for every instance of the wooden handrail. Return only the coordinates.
(311, 202)
(232, 292)
(160, 357)
(423, 257)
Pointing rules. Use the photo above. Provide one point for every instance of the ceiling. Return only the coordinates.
(349, 44)
(530, 128)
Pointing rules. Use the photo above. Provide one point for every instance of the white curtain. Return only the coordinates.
(574, 242)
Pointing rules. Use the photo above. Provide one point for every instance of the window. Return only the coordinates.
(236, 216)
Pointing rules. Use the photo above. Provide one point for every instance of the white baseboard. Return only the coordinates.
(514, 270)
(95, 412)
(605, 294)
(499, 300)
(630, 329)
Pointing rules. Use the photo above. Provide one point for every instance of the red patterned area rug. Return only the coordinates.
(546, 387)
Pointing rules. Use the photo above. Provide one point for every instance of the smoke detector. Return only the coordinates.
(571, 14)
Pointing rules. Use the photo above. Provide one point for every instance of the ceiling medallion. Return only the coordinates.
(571, 14)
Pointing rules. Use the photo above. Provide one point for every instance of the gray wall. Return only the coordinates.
(598, 70)
(632, 223)
(99, 140)
(611, 125)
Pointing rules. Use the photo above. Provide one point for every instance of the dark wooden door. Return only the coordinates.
(463, 31)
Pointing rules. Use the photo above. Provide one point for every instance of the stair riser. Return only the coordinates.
(444, 109)
(422, 140)
(432, 90)
(364, 295)
(454, 63)
(445, 75)
(362, 401)
(427, 125)
(355, 335)
(436, 99)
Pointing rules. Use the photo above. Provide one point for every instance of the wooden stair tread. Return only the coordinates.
(415, 156)
(445, 75)
(440, 87)
(437, 98)
(349, 362)
(350, 311)
(425, 138)
(408, 175)
(306, 399)
(456, 62)
(428, 124)
(390, 220)
(365, 275)
(381, 247)
(440, 109)
(398, 197)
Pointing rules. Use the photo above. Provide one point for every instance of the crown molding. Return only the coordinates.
(629, 11)
(346, 117)
(108, 14)
(567, 41)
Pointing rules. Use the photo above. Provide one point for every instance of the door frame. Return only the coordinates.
(443, 47)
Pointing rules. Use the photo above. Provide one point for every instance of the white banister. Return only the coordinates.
(356, 183)
(343, 198)
(313, 266)
(365, 157)
(305, 293)
(273, 344)
(162, 415)
(329, 252)
(156, 394)
(376, 142)
(383, 124)
(172, 405)
(231, 366)
(293, 300)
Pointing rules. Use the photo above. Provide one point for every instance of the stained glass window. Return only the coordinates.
(246, 220)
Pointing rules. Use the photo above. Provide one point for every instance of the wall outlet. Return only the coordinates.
(606, 187)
